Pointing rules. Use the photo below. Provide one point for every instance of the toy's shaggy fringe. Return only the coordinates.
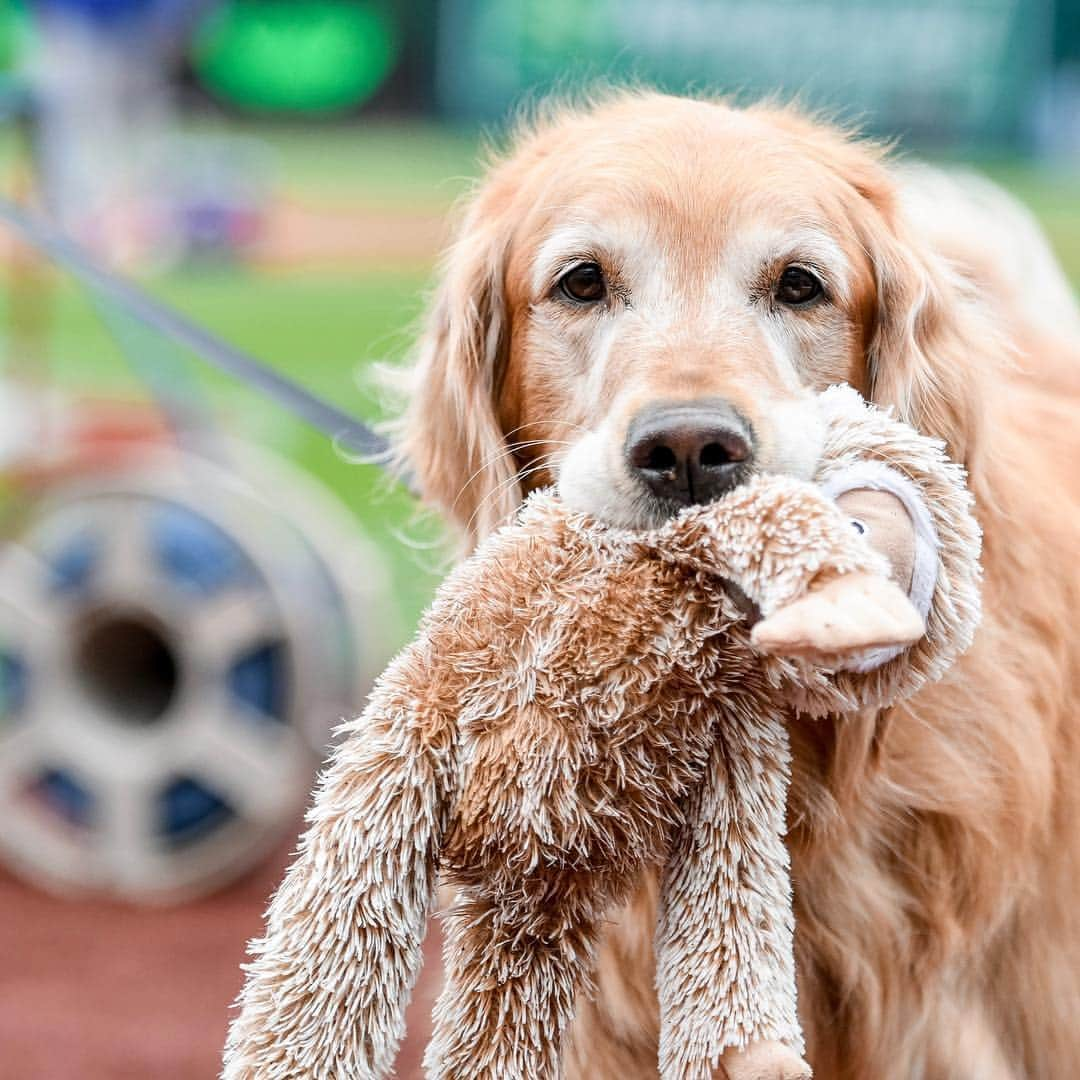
(581, 702)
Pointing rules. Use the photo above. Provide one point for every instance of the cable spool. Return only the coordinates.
(174, 650)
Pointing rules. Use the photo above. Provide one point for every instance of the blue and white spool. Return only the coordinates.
(176, 642)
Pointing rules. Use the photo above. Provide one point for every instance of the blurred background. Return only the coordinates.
(194, 586)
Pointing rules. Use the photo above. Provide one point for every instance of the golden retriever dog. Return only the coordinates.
(642, 299)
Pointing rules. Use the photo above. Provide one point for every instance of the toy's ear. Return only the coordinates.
(449, 438)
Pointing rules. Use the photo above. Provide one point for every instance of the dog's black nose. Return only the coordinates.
(690, 453)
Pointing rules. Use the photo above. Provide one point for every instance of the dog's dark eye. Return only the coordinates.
(584, 283)
(797, 286)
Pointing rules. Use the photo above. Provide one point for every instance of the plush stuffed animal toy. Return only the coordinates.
(582, 702)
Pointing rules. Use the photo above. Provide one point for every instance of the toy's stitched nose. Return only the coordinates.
(690, 453)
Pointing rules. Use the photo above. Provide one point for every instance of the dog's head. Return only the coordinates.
(644, 299)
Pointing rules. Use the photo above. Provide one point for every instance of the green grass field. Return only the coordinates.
(326, 328)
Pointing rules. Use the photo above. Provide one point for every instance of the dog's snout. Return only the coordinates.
(690, 453)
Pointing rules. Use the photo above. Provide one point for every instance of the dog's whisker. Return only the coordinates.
(509, 449)
(542, 463)
(504, 452)
(490, 461)
(495, 492)
(545, 423)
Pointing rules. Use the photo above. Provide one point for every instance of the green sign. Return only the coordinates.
(284, 56)
(933, 68)
(14, 32)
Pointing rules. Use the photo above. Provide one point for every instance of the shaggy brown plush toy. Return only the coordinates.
(581, 702)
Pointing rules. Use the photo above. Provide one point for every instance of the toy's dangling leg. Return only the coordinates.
(327, 987)
(725, 963)
(514, 967)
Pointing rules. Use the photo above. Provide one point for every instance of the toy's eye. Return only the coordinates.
(859, 526)
(584, 283)
(797, 286)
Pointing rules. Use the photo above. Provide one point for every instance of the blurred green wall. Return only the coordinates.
(940, 71)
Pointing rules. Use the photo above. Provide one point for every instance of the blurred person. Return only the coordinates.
(100, 102)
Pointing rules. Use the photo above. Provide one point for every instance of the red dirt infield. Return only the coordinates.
(95, 990)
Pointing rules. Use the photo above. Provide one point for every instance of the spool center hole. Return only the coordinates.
(127, 666)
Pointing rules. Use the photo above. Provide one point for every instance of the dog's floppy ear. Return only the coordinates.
(449, 437)
(929, 330)
(930, 333)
